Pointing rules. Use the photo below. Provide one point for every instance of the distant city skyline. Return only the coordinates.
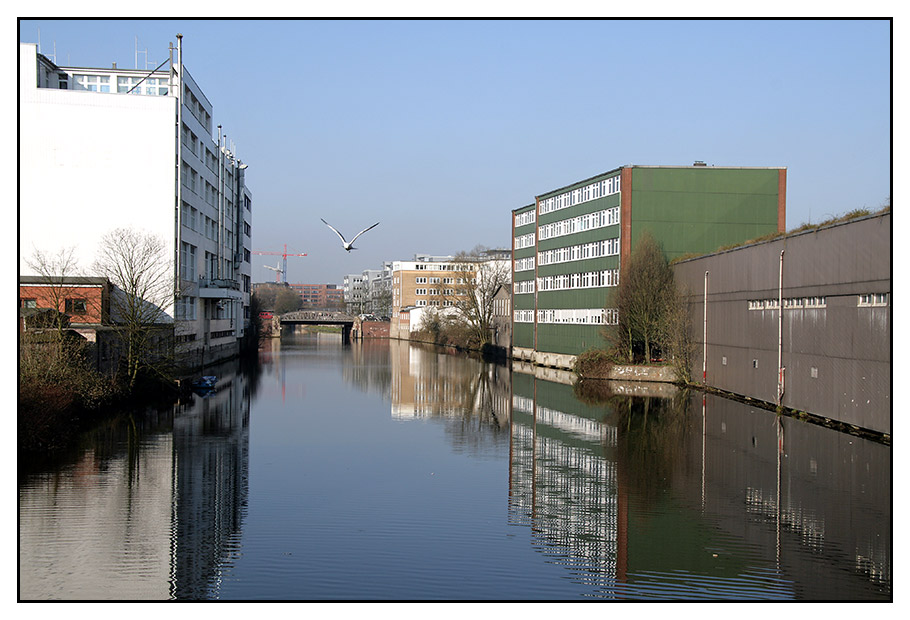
(438, 129)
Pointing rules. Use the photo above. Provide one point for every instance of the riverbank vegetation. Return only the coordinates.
(652, 320)
(464, 318)
(66, 379)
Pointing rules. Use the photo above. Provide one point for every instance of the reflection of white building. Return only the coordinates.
(110, 148)
(152, 521)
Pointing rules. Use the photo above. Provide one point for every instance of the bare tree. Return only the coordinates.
(642, 300)
(56, 272)
(141, 270)
(381, 302)
(474, 291)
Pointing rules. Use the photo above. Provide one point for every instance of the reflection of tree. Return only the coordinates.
(482, 420)
(593, 392)
(651, 440)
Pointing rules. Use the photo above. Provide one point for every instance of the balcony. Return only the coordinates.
(219, 288)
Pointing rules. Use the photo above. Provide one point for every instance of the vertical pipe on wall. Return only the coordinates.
(178, 164)
(780, 331)
(704, 356)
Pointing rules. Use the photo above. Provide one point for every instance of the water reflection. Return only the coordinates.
(551, 490)
(426, 382)
(691, 496)
(151, 508)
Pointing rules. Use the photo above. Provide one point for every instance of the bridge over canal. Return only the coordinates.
(316, 317)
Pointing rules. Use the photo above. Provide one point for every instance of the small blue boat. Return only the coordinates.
(205, 383)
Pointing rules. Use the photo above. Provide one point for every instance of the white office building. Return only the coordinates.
(102, 149)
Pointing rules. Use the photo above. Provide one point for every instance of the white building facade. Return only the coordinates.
(102, 149)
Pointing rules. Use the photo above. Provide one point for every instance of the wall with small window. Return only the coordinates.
(820, 299)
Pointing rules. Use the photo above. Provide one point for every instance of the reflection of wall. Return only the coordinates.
(633, 489)
(560, 481)
(101, 529)
(143, 515)
(211, 447)
(824, 500)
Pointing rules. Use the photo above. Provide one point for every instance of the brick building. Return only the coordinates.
(85, 301)
(320, 295)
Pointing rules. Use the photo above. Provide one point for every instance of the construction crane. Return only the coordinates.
(284, 266)
(278, 271)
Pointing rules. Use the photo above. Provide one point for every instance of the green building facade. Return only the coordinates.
(568, 246)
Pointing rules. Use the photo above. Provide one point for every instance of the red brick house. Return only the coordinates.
(84, 300)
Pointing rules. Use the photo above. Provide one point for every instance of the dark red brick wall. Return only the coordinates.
(375, 329)
(45, 299)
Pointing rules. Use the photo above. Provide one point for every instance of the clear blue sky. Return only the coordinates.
(439, 129)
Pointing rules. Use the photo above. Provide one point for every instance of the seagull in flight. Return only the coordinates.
(349, 245)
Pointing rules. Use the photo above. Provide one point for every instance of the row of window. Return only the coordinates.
(588, 279)
(791, 302)
(524, 264)
(186, 308)
(435, 302)
(76, 305)
(196, 221)
(597, 249)
(441, 267)
(524, 241)
(867, 299)
(589, 221)
(424, 280)
(188, 264)
(571, 198)
(523, 219)
(523, 286)
(434, 291)
(125, 84)
(187, 261)
(873, 299)
(197, 109)
(570, 316)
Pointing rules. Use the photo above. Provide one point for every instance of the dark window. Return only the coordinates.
(75, 306)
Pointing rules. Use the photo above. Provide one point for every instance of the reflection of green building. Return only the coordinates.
(568, 246)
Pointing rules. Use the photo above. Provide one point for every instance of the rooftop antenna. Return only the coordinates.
(146, 52)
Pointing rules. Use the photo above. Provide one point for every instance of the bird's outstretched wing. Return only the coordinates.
(336, 232)
(363, 231)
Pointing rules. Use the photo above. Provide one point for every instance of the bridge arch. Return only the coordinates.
(319, 317)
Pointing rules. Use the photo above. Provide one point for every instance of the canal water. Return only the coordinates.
(385, 470)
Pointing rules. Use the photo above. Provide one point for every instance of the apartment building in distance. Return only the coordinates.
(569, 244)
(425, 282)
(108, 148)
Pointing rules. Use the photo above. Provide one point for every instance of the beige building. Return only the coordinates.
(425, 282)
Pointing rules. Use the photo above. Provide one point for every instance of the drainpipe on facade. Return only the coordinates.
(178, 216)
(704, 356)
(780, 331)
(221, 160)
